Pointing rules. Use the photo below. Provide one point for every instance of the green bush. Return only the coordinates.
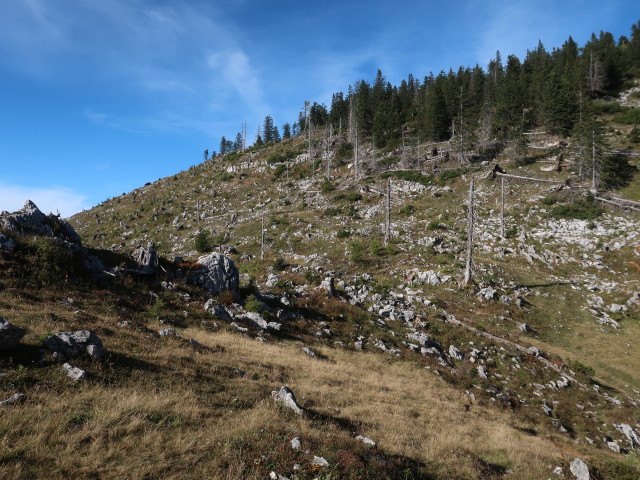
(252, 304)
(326, 186)
(344, 151)
(53, 261)
(628, 116)
(407, 210)
(511, 232)
(203, 242)
(549, 201)
(353, 196)
(581, 209)
(279, 264)
(582, 368)
(332, 212)
(343, 234)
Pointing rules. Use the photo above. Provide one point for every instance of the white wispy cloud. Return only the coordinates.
(164, 53)
(51, 199)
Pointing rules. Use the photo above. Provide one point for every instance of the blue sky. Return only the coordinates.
(98, 97)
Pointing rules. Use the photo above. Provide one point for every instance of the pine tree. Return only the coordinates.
(223, 146)
(286, 131)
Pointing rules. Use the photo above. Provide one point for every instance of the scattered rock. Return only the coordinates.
(286, 397)
(319, 462)
(329, 286)
(10, 335)
(455, 353)
(65, 345)
(309, 352)
(295, 443)
(366, 440)
(628, 432)
(272, 280)
(579, 469)
(487, 293)
(12, 400)
(74, 373)
(168, 332)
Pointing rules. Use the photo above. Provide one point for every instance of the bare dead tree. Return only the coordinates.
(387, 222)
(468, 271)
(262, 239)
(595, 76)
(502, 208)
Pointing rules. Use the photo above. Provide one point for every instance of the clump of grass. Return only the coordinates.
(581, 209)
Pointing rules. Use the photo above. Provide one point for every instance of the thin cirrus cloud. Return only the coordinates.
(162, 54)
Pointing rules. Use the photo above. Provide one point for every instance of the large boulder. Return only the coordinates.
(147, 259)
(10, 335)
(217, 273)
(65, 345)
(286, 397)
(31, 221)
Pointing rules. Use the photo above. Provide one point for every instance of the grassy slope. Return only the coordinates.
(159, 408)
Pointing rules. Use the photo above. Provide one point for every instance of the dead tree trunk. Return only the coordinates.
(262, 239)
(468, 271)
(502, 208)
(387, 222)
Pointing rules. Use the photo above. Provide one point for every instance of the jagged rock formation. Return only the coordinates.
(147, 259)
(217, 273)
(31, 221)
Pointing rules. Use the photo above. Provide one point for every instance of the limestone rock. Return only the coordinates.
(12, 400)
(217, 273)
(10, 335)
(487, 293)
(579, 469)
(309, 352)
(74, 373)
(629, 432)
(66, 345)
(31, 221)
(147, 259)
(295, 443)
(328, 285)
(366, 440)
(455, 353)
(286, 397)
(319, 462)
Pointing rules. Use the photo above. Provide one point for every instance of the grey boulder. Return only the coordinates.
(217, 273)
(66, 345)
(286, 397)
(10, 335)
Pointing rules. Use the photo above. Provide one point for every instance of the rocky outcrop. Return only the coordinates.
(31, 221)
(147, 259)
(10, 335)
(216, 274)
(65, 345)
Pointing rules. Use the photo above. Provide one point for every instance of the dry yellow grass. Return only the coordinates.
(182, 413)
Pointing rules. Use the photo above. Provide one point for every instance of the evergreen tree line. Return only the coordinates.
(479, 109)
(549, 90)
